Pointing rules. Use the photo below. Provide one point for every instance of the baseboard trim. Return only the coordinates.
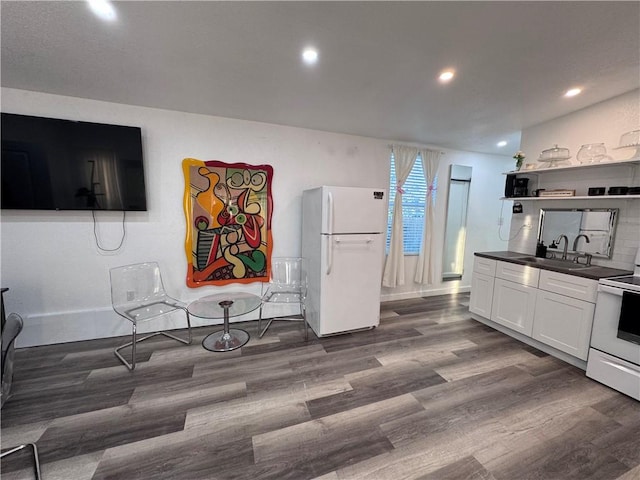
(389, 297)
(79, 325)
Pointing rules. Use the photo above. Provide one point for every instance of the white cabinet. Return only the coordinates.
(563, 323)
(564, 312)
(514, 296)
(518, 273)
(569, 285)
(485, 266)
(552, 309)
(513, 305)
(484, 270)
(481, 294)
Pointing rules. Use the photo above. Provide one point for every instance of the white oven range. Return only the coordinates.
(614, 356)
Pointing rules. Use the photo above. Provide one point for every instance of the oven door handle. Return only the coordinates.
(612, 290)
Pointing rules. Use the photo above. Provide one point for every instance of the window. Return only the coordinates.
(413, 208)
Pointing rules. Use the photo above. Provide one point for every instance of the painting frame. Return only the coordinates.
(228, 209)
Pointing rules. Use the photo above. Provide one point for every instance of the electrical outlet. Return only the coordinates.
(500, 221)
(527, 226)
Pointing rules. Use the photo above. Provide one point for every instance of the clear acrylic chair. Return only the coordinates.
(13, 327)
(287, 285)
(137, 294)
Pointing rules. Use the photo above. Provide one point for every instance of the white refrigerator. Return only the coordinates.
(343, 238)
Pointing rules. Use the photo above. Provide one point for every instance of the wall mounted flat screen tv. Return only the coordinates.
(53, 164)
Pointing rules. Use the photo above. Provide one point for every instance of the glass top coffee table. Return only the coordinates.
(225, 305)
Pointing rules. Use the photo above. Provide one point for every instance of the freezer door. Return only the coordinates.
(353, 210)
(350, 283)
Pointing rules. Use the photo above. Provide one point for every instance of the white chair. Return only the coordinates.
(137, 294)
(287, 285)
(12, 327)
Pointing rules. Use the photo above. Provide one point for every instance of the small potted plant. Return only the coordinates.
(519, 156)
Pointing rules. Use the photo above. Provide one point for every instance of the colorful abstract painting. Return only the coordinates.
(228, 210)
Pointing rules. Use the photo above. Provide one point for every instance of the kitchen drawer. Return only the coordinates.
(569, 285)
(485, 266)
(518, 273)
(614, 372)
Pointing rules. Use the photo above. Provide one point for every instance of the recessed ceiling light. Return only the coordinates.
(446, 75)
(103, 9)
(573, 92)
(502, 143)
(310, 56)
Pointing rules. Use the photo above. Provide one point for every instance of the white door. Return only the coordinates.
(564, 323)
(350, 284)
(481, 294)
(353, 210)
(513, 305)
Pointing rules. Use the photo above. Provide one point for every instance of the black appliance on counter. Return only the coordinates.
(516, 186)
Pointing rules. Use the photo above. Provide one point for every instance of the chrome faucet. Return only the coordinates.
(575, 242)
(575, 249)
(566, 245)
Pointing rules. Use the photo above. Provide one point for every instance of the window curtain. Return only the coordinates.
(393, 276)
(425, 270)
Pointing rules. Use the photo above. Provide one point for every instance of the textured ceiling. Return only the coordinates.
(377, 70)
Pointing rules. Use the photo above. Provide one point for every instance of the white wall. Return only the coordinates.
(601, 123)
(59, 280)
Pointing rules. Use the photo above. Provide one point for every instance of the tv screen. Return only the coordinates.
(53, 164)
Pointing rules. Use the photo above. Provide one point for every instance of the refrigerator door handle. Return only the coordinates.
(331, 239)
(339, 240)
(329, 253)
(330, 212)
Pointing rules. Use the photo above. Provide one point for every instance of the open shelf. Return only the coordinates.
(581, 197)
(561, 168)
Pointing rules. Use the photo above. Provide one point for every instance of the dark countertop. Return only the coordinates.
(594, 272)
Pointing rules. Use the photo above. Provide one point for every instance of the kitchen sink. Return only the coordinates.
(555, 262)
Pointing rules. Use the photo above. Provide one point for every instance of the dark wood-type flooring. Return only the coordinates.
(429, 394)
